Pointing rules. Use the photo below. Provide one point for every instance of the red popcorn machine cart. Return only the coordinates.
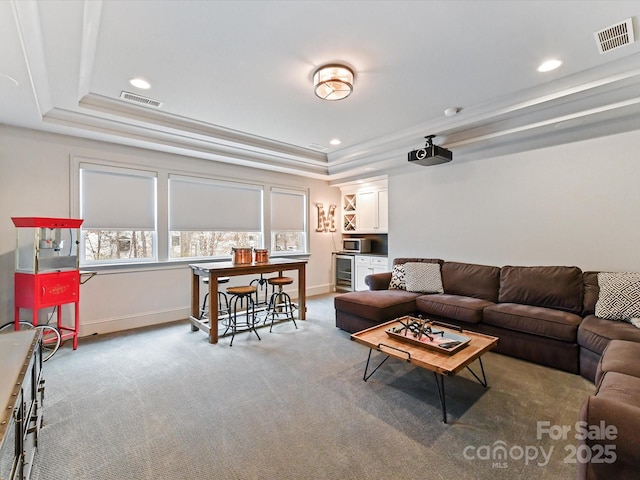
(47, 269)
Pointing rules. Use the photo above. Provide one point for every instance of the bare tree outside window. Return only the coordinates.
(211, 244)
(105, 245)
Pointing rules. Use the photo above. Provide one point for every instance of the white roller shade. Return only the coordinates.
(205, 205)
(288, 209)
(113, 198)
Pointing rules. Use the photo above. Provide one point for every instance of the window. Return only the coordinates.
(288, 221)
(141, 214)
(207, 218)
(118, 206)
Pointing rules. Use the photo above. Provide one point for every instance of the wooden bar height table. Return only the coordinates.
(229, 269)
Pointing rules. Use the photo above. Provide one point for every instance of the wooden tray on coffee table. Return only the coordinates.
(412, 330)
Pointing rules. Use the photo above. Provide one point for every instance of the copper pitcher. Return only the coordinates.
(241, 256)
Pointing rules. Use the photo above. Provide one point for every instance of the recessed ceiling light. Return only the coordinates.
(140, 83)
(335, 141)
(549, 65)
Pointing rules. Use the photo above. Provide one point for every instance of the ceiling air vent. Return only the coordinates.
(319, 148)
(133, 98)
(615, 36)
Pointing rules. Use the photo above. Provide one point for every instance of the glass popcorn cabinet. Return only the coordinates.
(47, 269)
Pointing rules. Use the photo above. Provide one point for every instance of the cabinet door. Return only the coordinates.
(361, 272)
(380, 264)
(363, 268)
(383, 211)
(57, 288)
(373, 212)
(367, 211)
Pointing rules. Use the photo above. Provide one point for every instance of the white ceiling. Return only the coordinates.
(235, 78)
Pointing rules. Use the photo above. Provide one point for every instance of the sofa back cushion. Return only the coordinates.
(401, 260)
(552, 287)
(591, 293)
(471, 280)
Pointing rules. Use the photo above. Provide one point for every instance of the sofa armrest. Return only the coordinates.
(378, 281)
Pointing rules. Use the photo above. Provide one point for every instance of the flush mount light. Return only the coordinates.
(549, 65)
(333, 82)
(335, 141)
(140, 83)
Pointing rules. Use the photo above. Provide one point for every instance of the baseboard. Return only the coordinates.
(118, 324)
(110, 325)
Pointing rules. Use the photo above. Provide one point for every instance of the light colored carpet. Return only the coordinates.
(162, 403)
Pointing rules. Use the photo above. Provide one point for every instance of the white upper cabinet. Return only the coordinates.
(365, 209)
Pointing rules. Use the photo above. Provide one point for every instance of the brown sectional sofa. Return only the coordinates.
(615, 409)
(542, 314)
(535, 311)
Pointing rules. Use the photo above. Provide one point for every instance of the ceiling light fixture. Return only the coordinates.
(140, 83)
(335, 141)
(333, 82)
(549, 65)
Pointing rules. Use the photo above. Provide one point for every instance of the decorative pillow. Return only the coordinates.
(397, 278)
(619, 297)
(423, 277)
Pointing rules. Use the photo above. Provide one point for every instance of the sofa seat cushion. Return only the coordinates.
(620, 387)
(620, 356)
(545, 322)
(465, 309)
(377, 305)
(595, 333)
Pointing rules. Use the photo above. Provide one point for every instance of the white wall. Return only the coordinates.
(34, 176)
(575, 204)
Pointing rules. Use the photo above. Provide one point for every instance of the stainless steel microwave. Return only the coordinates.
(356, 245)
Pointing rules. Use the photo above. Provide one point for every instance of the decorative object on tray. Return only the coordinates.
(424, 333)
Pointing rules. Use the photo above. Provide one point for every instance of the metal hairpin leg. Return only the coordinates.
(440, 384)
(443, 405)
(366, 377)
(379, 349)
(482, 382)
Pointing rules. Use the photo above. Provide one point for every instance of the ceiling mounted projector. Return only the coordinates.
(431, 154)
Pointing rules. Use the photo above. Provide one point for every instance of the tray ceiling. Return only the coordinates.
(234, 79)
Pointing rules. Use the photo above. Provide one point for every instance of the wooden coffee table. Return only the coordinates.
(441, 364)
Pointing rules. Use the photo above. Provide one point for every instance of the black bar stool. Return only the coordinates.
(261, 284)
(238, 297)
(223, 301)
(280, 303)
